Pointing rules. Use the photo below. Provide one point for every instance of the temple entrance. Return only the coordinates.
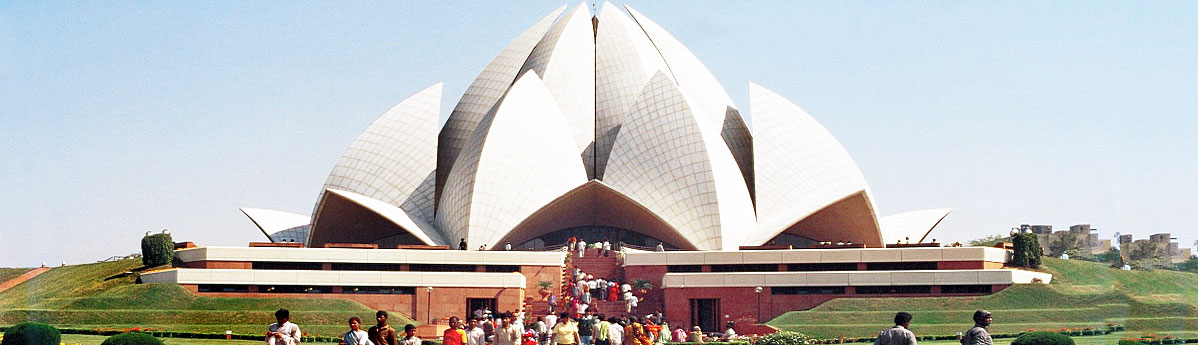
(483, 306)
(594, 234)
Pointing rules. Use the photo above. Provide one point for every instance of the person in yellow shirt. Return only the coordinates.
(566, 331)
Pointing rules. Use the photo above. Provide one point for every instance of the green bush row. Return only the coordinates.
(1157, 341)
(1077, 333)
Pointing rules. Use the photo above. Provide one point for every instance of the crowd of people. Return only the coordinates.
(585, 290)
(567, 329)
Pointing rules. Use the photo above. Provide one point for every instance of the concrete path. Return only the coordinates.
(22, 278)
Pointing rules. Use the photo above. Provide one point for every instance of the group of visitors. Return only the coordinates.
(586, 290)
(901, 334)
(580, 247)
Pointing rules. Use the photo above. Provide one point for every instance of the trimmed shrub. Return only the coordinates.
(31, 333)
(157, 250)
(785, 338)
(132, 338)
(1027, 250)
(1042, 338)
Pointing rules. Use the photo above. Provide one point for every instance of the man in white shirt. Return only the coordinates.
(550, 321)
(615, 333)
(475, 336)
(283, 332)
(606, 248)
(592, 287)
(582, 247)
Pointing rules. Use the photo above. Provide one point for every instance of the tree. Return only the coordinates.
(1190, 265)
(989, 241)
(1061, 242)
(1141, 250)
(1109, 256)
(157, 249)
(1027, 250)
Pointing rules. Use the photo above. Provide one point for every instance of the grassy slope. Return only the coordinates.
(10, 273)
(101, 295)
(1081, 294)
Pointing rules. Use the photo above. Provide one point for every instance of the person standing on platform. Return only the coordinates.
(582, 247)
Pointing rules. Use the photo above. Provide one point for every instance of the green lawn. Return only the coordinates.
(1082, 294)
(104, 295)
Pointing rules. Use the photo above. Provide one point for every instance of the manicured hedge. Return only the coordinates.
(31, 333)
(132, 338)
(157, 250)
(1027, 250)
(1042, 338)
(785, 338)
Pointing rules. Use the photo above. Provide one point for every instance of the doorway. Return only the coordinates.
(475, 306)
(705, 313)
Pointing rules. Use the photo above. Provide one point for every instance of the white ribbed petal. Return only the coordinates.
(520, 158)
(669, 160)
(800, 167)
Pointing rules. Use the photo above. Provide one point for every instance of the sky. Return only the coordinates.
(118, 118)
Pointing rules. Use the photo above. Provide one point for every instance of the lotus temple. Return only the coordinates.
(597, 127)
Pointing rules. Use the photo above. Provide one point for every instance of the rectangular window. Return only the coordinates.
(379, 290)
(821, 267)
(807, 290)
(502, 268)
(442, 268)
(980, 289)
(684, 268)
(366, 267)
(294, 289)
(745, 268)
(894, 290)
(270, 265)
(223, 288)
(900, 266)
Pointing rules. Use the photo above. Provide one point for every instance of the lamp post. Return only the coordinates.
(429, 307)
(758, 291)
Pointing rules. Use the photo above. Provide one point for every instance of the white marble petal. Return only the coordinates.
(668, 159)
(520, 158)
(912, 225)
(800, 166)
(484, 92)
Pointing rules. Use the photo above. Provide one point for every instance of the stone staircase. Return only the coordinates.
(595, 264)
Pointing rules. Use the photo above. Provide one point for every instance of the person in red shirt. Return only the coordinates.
(454, 335)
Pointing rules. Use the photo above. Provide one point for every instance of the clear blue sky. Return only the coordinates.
(121, 117)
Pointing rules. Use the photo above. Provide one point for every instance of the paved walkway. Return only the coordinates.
(22, 278)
